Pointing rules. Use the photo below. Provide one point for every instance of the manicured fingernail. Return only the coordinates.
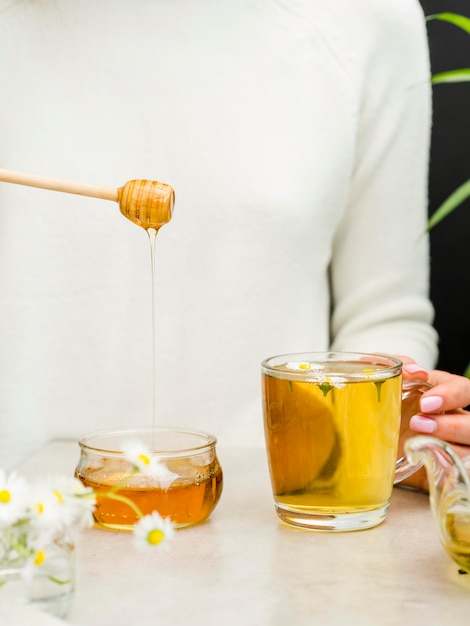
(412, 368)
(430, 403)
(422, 424)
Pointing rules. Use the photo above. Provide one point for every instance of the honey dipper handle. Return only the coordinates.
(56, 184)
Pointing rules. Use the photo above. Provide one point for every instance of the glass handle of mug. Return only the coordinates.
(412, 390)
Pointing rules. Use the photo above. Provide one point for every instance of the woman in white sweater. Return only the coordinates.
(296, 137)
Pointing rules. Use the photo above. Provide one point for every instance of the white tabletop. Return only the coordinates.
(243, 566)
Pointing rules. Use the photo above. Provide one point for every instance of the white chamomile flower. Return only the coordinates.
(14, 497)
(329, 381)
(142, 458)
(298, 366)
(77, 501)
(47, 508)
(153, 532)
(37, 559)
(67, 486)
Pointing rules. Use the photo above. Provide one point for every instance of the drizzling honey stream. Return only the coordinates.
(147, 203)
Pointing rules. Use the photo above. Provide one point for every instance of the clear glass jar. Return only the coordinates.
(49, 586)
(186, 488)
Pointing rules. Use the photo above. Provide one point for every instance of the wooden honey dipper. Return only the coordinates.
(147, 203)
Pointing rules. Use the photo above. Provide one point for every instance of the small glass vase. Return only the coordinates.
(48, 586)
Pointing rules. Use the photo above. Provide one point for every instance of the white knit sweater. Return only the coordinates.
(295, 134)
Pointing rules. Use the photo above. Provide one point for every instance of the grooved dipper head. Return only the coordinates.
(147, 203)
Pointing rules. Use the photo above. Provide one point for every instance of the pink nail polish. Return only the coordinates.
(422, 424)
(412, 368)
(430, 403)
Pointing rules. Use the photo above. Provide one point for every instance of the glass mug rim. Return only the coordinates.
(390, 366)
(95, 442)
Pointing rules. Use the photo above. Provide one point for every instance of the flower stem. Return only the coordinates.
(116, 496)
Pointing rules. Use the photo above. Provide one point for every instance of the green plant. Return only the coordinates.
(458, 196)
(452, 76)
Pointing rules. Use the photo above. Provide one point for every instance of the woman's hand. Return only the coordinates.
(441, 409)
(440, 413)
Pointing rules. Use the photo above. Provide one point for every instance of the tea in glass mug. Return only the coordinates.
(332, 424)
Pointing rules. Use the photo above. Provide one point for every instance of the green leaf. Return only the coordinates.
(325, 388)
(467, 371)
(378, 384)
(60, 581)
(453, 201)
(453, 76)
(452, 18)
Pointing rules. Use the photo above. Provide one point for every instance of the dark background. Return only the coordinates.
(449, 168)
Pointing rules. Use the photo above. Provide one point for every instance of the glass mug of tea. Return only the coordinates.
(332, 426)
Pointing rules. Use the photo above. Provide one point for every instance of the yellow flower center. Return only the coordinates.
(40, 557)
(155, 536)
(5, 496)
(59, 496)
(40, 507)
(144, 458)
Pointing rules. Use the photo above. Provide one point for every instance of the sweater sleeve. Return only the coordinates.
(380, 264)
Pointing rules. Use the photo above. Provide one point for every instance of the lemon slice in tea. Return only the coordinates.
(300, 432)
